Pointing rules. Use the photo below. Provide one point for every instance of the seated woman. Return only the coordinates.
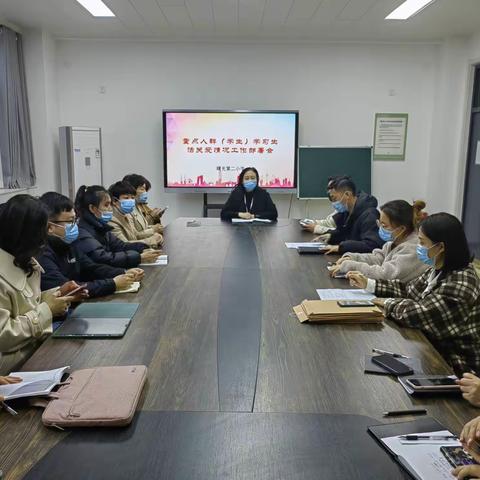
(62, 261)
(25, 312)
(248, 200)
(397, 259)
(444, 302)
(145, 219)
(95, 237)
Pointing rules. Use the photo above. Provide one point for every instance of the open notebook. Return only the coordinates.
(33, 384)
(422, 459)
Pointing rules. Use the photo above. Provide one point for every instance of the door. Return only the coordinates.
(471, 201)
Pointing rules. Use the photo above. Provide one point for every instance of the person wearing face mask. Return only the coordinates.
(444, 302)
(25, 311)
(356, 220)
(146, 219)
(397, 259)
(248, 200)
(96, 240)
(324, 225)
(123, 198)
(63, 262)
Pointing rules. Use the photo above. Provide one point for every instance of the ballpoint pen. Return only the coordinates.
(393, 354)
(412, 411)
(10, 410)
(428, 437)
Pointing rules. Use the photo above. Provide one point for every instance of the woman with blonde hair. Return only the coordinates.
(397, 259)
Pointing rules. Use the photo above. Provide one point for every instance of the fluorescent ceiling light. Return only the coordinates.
(96, 7)
(408, 8)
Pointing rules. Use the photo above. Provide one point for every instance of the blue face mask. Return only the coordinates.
(385, 235)
(422, 254)
(106, 217)
(71, 233)
(143, 197)
(127, 205)
(250, 185)
(339, 206)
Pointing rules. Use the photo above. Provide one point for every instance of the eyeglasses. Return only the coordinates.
(64, 223)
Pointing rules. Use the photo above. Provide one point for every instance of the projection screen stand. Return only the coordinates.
(209, 206)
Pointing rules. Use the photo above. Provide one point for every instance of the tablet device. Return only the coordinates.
(92, 328)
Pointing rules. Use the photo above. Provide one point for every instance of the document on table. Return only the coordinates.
(341, 294)
(134, 288)
(305, 244)
(161, 260)
(250, 220)
(425, 459)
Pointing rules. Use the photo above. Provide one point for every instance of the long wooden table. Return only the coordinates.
(216, 329)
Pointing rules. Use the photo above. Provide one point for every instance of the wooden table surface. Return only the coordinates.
(216, 330)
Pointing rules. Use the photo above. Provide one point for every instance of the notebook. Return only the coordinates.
(33, 384)
(134, 288)
(97, 320)
(423, 461)
(161, 260)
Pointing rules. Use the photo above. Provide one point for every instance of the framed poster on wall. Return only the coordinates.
(390, 137)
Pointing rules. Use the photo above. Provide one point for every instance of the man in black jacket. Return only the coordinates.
(356, 220)
(63, 262)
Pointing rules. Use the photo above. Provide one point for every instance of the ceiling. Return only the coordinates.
(275, 20)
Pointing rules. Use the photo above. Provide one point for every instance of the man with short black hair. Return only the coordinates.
(356, 219)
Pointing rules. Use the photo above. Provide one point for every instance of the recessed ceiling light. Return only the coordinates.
(96, 7)
(408, 8)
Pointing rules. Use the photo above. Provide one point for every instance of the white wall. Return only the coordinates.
(337, 88)
(39, 47)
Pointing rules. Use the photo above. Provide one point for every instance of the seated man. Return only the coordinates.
(63, 262)
(326, 224)
(356, 219)
(123, 198)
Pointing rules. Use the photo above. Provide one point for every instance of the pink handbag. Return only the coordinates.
(96, 397)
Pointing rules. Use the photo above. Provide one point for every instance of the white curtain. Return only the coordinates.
(16, 153)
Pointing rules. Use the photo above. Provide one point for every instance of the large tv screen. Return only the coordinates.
(206, 150)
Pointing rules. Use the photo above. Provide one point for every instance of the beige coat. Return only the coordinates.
(25, 318)
(124, 229)
(140, 223)
(148, 214)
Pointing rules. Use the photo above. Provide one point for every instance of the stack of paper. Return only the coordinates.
(328, 311)
(344, 294)
(32, 384)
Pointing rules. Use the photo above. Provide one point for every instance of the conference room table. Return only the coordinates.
(237, 387)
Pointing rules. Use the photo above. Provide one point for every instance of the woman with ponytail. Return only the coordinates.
(397, 259)
(96, 240)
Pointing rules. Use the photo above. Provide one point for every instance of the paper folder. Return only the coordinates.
(328, 311)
